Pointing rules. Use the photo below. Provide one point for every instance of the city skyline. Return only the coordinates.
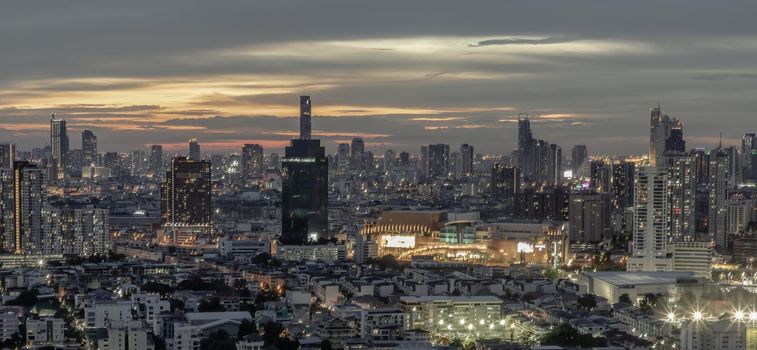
(402, 76)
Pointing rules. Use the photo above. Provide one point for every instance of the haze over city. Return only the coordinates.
(398, 74)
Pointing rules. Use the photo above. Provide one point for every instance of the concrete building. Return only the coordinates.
(328, 253)
(692, 256)
(716, 334)
(455, 315)
(612, 284)
(45, 331)
(9, 322)
(651, 230)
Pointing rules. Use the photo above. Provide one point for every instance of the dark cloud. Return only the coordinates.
(521, 41)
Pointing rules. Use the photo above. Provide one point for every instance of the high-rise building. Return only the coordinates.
(675, 141)
(186, 200)
(749, 157)
(622, 184)
(77, 229)
(600, 175)
(305, 124)
(528, 158)
(22, 198)
(343, 159)
(304, 197)
(390, 159)
(718, 197)
(438, 160)
(7, 154)
(194, 150)
(156, 160)
(740, 214)
(660, 127)
(554, 167)
(137, 162)
(651, 227)
(59, 144)
(88, 148)
(682, 187)
(579, 155)
(712, 333)
(734, 166)
(357, 161)
(423, 160)
(589, 221)
(466, 160)
(252, 161)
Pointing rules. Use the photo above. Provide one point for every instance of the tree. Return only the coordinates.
(326, 345)
(457, 342)
(210, 305)
(565, 335)
(625, 299)
(27, 298)
(156, 287)
(218, 340)
(246, 327)
(587, 302)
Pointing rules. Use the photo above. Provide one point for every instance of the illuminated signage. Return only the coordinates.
(525, 247)
(399, 241)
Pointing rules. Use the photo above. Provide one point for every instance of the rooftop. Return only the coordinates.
(640, 278)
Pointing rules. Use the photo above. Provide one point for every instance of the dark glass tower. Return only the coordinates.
(186, 200)
(304, 198)
(88, 148)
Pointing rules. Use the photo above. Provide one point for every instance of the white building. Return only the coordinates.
(98, 312)
(126, 335)
(651, 221)
(714, 334)
(382, 324)
(455, 315)
(612, 284)
(46, 331)
(8, 324)
(692, 256)
(243, 248)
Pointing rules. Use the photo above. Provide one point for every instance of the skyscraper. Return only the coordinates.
(749, 157)
(252, 161)
(682, 187)
(22, 198)
(660, 127)
(578, 157)
(89, 148)
(505, 182)
(423, 160)
(599, 173)
(718, 197)
(390, 159)
(589, 221)
(357, 149)
(7, 154)
(304, 197)
(305, 124)
(554, 167)
(156, 160)
(186, 200)
(466, 160)
(651, 221)
(59, 144)
(343, 159)
(438, 160)
(528, 159)
(194, 150)
(622, 184)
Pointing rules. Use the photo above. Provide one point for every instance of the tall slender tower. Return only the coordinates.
(7, 154)
(651, 229)
(59, 143)
(304, 194)
(718, 197)
(305, 126)
(194, 150)
(89, 147)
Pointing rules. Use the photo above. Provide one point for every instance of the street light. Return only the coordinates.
(697, 315)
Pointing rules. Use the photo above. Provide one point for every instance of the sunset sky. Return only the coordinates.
(397, 73)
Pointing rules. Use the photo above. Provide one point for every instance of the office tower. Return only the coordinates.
(659, 131)
(453, 164)
(390, 159)
(7, 154)
(252, 161)
(675, 141)
(702, 164)
(554, 168)
(22, 198)
(622, 184)
(343, 159)
(194, 150)
(589, 221)
(505, 182)
(438, 160)
(466, 160)
(423, 160)
(579, 154)
(749, 157)
(599, 173)
(717, 189)
(74, 162)
(404, 158)
(305, 124)
(59, 142)
(734, 166)
(682, 187)
(156, 159)
(185, 200)
(89, 148)
(304, 196)
(368, 161)
(528, 157)
(651, 228)
(356, 157)
(137, 162)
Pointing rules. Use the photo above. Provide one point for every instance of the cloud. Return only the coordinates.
(521, 41)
